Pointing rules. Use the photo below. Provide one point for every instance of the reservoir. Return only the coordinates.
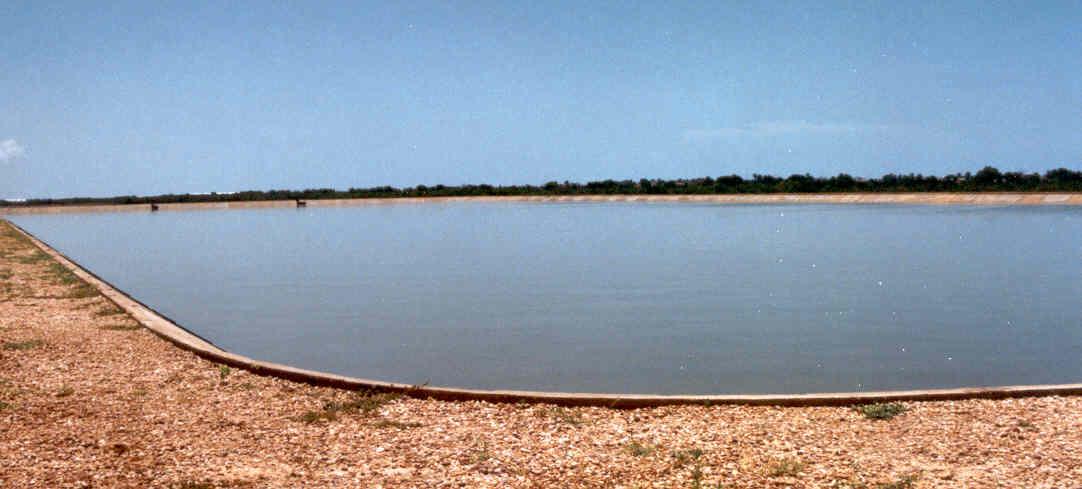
(649, 298)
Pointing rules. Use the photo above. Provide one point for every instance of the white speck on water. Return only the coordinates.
(880, 283)
(813, 265)
(781, 214)
(781, 260)
(903, 349)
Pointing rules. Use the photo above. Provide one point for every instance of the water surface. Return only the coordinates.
(615, 297)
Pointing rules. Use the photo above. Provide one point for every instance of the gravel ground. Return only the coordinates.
(89, 399)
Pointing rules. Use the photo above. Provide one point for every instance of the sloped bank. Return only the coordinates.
(181, 337)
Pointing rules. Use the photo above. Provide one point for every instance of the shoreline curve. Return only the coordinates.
(187, 340)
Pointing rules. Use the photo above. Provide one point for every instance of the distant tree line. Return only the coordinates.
(988, 179)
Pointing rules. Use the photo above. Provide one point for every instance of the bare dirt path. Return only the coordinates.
(89, 399)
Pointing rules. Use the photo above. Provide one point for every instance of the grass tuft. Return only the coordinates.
(364, 402)
(32, 258)
(905, 482)
(55, 270)
(881, 410)
(81, 291)
(563, 415)
(786, 467)
(109, 310)
(23, 345)
(387, 423)
(120, 327)
(480, 454)
(684, 457)
(194, 485)
(636, 449)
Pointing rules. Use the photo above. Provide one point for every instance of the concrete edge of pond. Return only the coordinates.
(928, 198)
(187, 340)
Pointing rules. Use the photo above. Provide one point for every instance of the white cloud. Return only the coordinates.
(10, 150)
(777, 128)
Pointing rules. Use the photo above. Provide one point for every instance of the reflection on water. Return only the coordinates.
(619, 297)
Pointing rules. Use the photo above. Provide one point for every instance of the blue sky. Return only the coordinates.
(150, 97)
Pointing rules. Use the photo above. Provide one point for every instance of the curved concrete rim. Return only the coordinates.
(187, 340)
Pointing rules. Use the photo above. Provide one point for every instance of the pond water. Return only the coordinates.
(614, 297)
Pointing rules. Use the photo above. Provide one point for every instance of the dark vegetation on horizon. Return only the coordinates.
(988, 179)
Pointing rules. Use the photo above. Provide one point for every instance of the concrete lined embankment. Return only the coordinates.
(181, 337)
(840, 198)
